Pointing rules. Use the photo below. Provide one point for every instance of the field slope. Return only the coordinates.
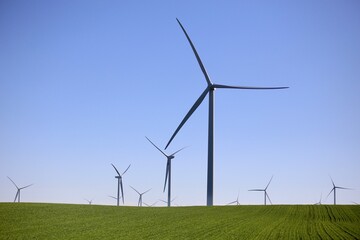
(65, 221)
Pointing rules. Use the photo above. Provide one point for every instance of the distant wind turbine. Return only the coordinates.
(264, 190)
(168, 169)
(334, 190)
(209, 89)
(319, 202)
(167, 202)
(151, 204)
(18, 190)
(120, 184)
(140, 196)
(236, 201)
(89, 201)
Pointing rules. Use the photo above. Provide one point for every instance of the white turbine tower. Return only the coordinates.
(210, 88)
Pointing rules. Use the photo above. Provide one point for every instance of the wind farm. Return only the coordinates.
(81, 84)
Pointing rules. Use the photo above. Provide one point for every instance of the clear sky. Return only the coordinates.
(83, 82)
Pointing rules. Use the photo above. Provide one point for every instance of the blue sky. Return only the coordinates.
(83, 82)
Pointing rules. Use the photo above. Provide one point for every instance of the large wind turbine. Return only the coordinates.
(168, 169)
(18, 190)
(209, 89)
(140, 196)
(120, 184)
(264, 190)
(334, 190)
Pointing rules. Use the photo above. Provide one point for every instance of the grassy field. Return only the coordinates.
(65, 221)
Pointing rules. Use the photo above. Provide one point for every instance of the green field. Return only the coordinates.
(65, 221)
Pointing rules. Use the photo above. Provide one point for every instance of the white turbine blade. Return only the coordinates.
(135, 190)
(196, 55)
(13, 183)
(332, 181)
(146, 204)
(187, 116)
(156, 146)
(257, 190)
(231, 202)
(267, 195)
(246, 87)
(344, 188)
(166, 174)
(162, 201)
(154, 203)
(26, 186)
(122, 190)
(17, 193)
(330, 192)
(178, 151)
(145, 191)
(269, 182)
(126, 169)
(116, 169)
(112, 197)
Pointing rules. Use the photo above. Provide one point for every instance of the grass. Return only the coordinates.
(65, 221)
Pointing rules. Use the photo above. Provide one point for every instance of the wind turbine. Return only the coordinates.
(264, 190)
(140, 196)
(168, 169)
(89, 201)
(167, 202)
(236, 201)
(334, 190)
(151, 204)
(120, 184)
(210, 88)
(18, 190)
(319, 202)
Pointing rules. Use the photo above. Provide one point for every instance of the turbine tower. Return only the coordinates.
(89, 201)
(210, 88)
(266, 195)
(140, 196)
(334, 190)
(120, 184)
(168, 170)
(17, 196)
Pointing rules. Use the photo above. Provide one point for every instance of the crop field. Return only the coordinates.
(66, 221)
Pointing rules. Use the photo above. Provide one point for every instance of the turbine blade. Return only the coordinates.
(122, 191)
(156, 146)
(269, 182)
(146, 204)
(257, 190)
(196, 55)
(116, 169)
(13, 183)
(268, 197)
(187, 116)
(178, 151)
(163, 201)
(166, 174)
(135, 190)
(246, 87)
(145, 191)
(112, 197)
(126, 169)
(27, 186)
(231, 202)
(344, 188)
(330, 192)
(154, 203)
(332, 181)
(17, 193)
